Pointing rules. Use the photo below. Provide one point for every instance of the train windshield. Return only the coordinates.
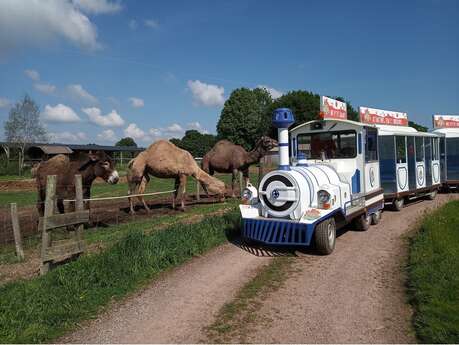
(328, 145)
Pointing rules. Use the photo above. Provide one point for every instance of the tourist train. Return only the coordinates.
(333, 171)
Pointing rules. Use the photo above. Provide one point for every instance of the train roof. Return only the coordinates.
(354, 123)
(402, 130)
(447, 132)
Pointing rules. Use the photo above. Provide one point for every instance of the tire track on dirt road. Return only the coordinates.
(355, 295)
(174, 308)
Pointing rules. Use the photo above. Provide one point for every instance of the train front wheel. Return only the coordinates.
(325, 236)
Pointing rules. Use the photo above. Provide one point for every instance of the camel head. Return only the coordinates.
(265, 144)
(212, 185)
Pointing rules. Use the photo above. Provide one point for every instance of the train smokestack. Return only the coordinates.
(282, 119)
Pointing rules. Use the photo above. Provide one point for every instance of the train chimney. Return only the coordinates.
(282, 120)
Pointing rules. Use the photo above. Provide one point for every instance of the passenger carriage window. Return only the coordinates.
(400, 143)
(371, 145)
(435, 156)
(332, 145)
(428, 148)
(419, 142)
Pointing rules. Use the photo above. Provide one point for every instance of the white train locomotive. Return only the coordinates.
(337, 183)
(334, 178)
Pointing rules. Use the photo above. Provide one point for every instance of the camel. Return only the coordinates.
(163, 159)
(226, 157)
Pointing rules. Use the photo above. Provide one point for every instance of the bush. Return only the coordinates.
(43, 308)
(434, 276)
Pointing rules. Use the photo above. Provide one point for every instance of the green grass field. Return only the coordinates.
(45, 307)
(104, 190)
(434, 276)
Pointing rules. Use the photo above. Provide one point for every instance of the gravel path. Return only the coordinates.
(176, 307)
(354, 295)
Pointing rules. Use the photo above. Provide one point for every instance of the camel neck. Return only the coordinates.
(255, 155)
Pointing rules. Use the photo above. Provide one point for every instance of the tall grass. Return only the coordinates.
(41, 309)
(434, 276)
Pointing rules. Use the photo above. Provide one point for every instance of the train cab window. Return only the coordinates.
(419, 149)
(400, 146)
(371, 145)
(328, 145)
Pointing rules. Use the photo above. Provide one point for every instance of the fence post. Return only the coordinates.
(49, 210)
(240, 183)
(198, 197)
(79, 206)
(16, 231)
(260, 174)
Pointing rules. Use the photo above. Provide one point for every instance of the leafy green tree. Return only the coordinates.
(243, 117)
(417, 126)
(128, 141)
(196, 143)
(24, 126)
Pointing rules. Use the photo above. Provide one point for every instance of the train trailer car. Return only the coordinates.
(447, 127)
(334, 179)
(409, 160)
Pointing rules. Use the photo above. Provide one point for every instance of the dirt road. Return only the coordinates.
(354, 295)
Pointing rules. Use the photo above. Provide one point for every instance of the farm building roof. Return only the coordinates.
(69, 148)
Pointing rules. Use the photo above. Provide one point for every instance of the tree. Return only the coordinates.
(128, 141)
(24, 126)
(242, 120)
(196, 143)
(418, 127)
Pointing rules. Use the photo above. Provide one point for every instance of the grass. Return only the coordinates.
(43, 308)
(434, 276)
(104, 237)
(25, 198)
(235, 317)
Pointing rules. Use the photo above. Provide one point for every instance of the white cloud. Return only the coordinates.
(175, 128)
(273, 92)
(78, 92)
(136, 102)
(135, 132)
(151, 23)
(32, 74)
(112, 119)
(25, 23)
(45, 88)
(60, 113)
(98, 6)
(197, 126)
(68, 137)
(107, 135)
(207, 94)
(133, 24)
(4, 102)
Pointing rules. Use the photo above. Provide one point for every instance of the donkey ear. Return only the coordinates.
(92, 159)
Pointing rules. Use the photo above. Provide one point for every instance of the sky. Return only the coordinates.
(104, 69)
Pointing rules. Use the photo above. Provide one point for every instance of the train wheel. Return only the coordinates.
(397, 205)
(376, 217)
(363, 222)
(432, 195)
(325, 236)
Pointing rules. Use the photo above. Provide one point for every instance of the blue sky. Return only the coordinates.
(103, 69)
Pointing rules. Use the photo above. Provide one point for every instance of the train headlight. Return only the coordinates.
(323, 198)
(249, 195)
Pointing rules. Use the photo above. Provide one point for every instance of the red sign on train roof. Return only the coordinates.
(332, 109)
(383, 117)
(446, 121)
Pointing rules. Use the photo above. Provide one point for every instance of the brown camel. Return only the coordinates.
(226, 157)
(165, 160)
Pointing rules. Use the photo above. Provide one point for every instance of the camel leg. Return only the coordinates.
(142, 188)
(182, 191)
(204, 187)
(176, 187)
(233, 183)
(245, 174)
